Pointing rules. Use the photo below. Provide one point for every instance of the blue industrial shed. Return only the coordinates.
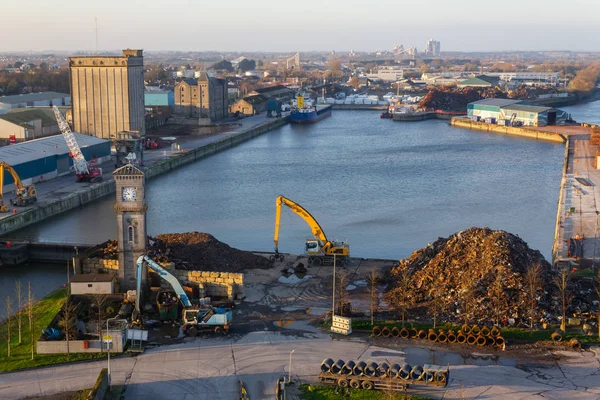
(47, 158)
(159, 98)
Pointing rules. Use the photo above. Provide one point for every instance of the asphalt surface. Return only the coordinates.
(212, 368)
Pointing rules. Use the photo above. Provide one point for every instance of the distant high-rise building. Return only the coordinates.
(432, 47)
(107, 94)
(397, 50)
(293, 62)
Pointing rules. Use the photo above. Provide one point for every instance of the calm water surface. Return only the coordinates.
(387, 187)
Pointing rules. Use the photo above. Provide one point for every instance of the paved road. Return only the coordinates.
(211, 368)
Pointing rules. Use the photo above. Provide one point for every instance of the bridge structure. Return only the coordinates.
(23, 250)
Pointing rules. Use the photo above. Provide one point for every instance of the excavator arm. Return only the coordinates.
(164, 274)
(26, 195)
(316, 229)
(4, 167)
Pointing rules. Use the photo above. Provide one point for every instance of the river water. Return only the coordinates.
(386, 187)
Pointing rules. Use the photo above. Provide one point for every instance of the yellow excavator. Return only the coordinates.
(26, 195)
(320, 250)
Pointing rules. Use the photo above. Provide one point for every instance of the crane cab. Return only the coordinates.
(313, 246)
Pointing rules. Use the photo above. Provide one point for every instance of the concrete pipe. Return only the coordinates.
(490, 341)
(386, 331)
(475, 330)
(499, 340)
(471, 339)
(359, 368)
(481, 340)
(404, 333)
(466, 329)
(495, 331)
(376, 331)
(575, 344)
(416, 373)
(382, 370)
(414, 333)
(326, 365)
(355, 384)
(404, 372)
(348, 368)
(393, 371)
(556, 337)
(461, 338)
(428, 376)
(441, 377)
(432, 336)
(337, 367)
(342, 382)
(442, 337)
(451, 336)
(395, 332)
(485, 331)
(367, 385)
(422, 334)
(371, 369)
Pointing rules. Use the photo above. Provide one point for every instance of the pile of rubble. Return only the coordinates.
(479, 272)
(201, 251)
(107, 250)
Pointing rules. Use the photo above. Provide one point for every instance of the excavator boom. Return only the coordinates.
(26, 195)
(316, 229)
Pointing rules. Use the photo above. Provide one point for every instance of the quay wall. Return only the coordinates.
(85, 196)
(421, 116)
(508, 130)
(358, 107)
(556, 245)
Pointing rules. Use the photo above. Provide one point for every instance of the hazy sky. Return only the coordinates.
(283, 25)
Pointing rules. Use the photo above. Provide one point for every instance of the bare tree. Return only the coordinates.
(19, 305)
(99, 300)
(497, 297)
(372, 280)
(562, 282)
(533, 284)
(343, 279)
(403, 295)
(30, 315)
(435, 305)
(67, 322)
(8, 312)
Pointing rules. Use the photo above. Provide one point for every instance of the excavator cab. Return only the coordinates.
(313, 247)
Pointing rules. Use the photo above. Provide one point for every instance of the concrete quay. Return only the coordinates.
(578, 206)
(64, 194)
(554, 135)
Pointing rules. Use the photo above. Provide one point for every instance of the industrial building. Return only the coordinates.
(204, 98)
(277, 92)
(42, 99)
(108, 94)
(159, 98)
(387, 74)
(47, 158)
(479, 81)
(508, 111)
(22, 124)
(250, 105)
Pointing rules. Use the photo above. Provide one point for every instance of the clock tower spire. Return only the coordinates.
(131, 223)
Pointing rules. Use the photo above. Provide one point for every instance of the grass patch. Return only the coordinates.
(362, 324)
(313, 392)
(43, 313)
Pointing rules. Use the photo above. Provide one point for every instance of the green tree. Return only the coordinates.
(246, 65)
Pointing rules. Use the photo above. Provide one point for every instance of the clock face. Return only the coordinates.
(129, 194)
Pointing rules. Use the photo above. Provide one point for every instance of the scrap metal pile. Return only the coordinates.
(477, 271)
(201, 251)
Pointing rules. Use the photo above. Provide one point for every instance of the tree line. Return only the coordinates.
(38, 80)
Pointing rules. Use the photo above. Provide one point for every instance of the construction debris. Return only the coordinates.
(476, 275)
(201, 251)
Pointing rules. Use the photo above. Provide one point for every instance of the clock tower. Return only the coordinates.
(131, 223)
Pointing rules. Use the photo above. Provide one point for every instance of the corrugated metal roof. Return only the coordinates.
(21, 116)
(23, 98)
(36, 149)
(496, 102)
(526, 108)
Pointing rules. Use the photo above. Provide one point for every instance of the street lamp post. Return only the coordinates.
(108, 346)
(333, 294)
(290, 369)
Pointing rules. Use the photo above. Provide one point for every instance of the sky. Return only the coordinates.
(303, 25)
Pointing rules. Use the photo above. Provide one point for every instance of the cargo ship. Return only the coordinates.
(307, 113)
